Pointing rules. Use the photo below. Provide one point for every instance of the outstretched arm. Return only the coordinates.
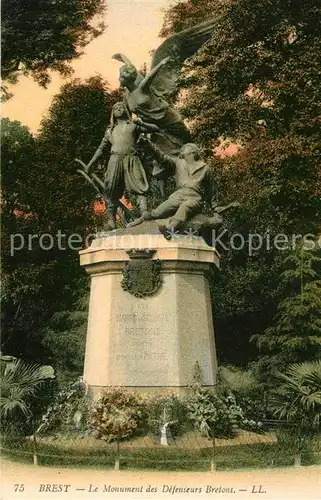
(146, 127)
(148, 80)
(100, 148)
(164, 159)
(122, 58)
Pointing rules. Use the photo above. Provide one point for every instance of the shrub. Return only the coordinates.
(69, 411)
(210, 414)
(165, 408)
(244, 396)
(232, 378)
(117, 414)
(246, 412)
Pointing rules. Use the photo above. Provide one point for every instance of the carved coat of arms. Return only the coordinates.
(141, 275)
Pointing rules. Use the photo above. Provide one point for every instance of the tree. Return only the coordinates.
(244, 295)
(76, 123)
(296, 333)
(255, 83)
(23, 273)
(38, 36)
(185, 14)
(18, 176)
(44, 196)
(17, 153)
(66, 334)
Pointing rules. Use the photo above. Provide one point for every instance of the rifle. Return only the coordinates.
(98, 185)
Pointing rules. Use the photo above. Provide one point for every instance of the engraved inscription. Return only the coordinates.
(154, 356)
(141, 318)
(141, 349)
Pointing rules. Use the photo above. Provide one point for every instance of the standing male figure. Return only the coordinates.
(125, 170)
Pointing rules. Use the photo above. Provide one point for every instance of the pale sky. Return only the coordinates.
(132, 28)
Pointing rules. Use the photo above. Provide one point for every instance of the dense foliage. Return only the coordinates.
(27, 278)
(209, 414)
(64, 338)
(38, 36)
(45, 200)
(74, 127)
(256, 83)
(245, 396)
(297, 328)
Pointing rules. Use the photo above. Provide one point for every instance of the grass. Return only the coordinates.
(188, 452)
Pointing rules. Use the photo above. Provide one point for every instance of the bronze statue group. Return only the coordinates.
(145, 116)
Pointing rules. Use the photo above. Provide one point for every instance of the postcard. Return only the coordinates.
(161, 250)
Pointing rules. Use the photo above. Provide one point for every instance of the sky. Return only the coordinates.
(132, 29)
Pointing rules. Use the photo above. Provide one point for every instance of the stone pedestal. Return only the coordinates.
(151, 343)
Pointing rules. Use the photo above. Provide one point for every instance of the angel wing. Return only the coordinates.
(179, 47)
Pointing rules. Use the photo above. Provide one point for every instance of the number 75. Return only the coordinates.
(19, 487)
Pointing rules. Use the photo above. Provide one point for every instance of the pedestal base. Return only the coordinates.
(149, 344)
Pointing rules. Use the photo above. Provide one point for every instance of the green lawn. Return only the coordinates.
(189, 452)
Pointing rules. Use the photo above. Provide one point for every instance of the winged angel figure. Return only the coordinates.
(148, 96)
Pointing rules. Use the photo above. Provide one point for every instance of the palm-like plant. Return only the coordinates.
(20, 383)
(298, 399)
